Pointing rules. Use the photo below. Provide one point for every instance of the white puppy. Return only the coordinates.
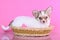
(41, 19)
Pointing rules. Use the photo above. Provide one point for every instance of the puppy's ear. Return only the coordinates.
(49, 10)
(35, 13)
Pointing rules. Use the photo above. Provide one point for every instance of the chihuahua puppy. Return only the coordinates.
(41, 19)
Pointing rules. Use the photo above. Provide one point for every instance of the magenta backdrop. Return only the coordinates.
(9, 9)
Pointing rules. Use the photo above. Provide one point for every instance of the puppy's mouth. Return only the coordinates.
(43, 22)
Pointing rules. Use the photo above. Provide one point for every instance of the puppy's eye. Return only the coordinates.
(40, 18)
(46, 17)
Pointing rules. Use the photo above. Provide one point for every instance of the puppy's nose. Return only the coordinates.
(43, 21)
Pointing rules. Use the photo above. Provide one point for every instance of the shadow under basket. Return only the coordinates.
(31, 31)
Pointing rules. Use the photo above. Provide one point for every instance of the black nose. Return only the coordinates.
(43, 21)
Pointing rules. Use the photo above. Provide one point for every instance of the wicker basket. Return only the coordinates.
(31, 31)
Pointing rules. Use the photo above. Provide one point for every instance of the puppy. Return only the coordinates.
(41, 19)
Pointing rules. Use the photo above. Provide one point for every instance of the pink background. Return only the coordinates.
(9, 9)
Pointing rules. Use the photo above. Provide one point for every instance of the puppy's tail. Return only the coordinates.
(5, 28)
(10, 23)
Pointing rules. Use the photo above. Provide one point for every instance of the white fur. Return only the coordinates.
(29, 22)
(5, 28)
(42, 12)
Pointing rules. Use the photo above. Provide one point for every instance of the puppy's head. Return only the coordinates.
(42, 16)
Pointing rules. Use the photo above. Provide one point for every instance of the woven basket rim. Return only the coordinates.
(47, 28)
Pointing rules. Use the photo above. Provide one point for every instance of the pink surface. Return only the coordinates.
(9, 9)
